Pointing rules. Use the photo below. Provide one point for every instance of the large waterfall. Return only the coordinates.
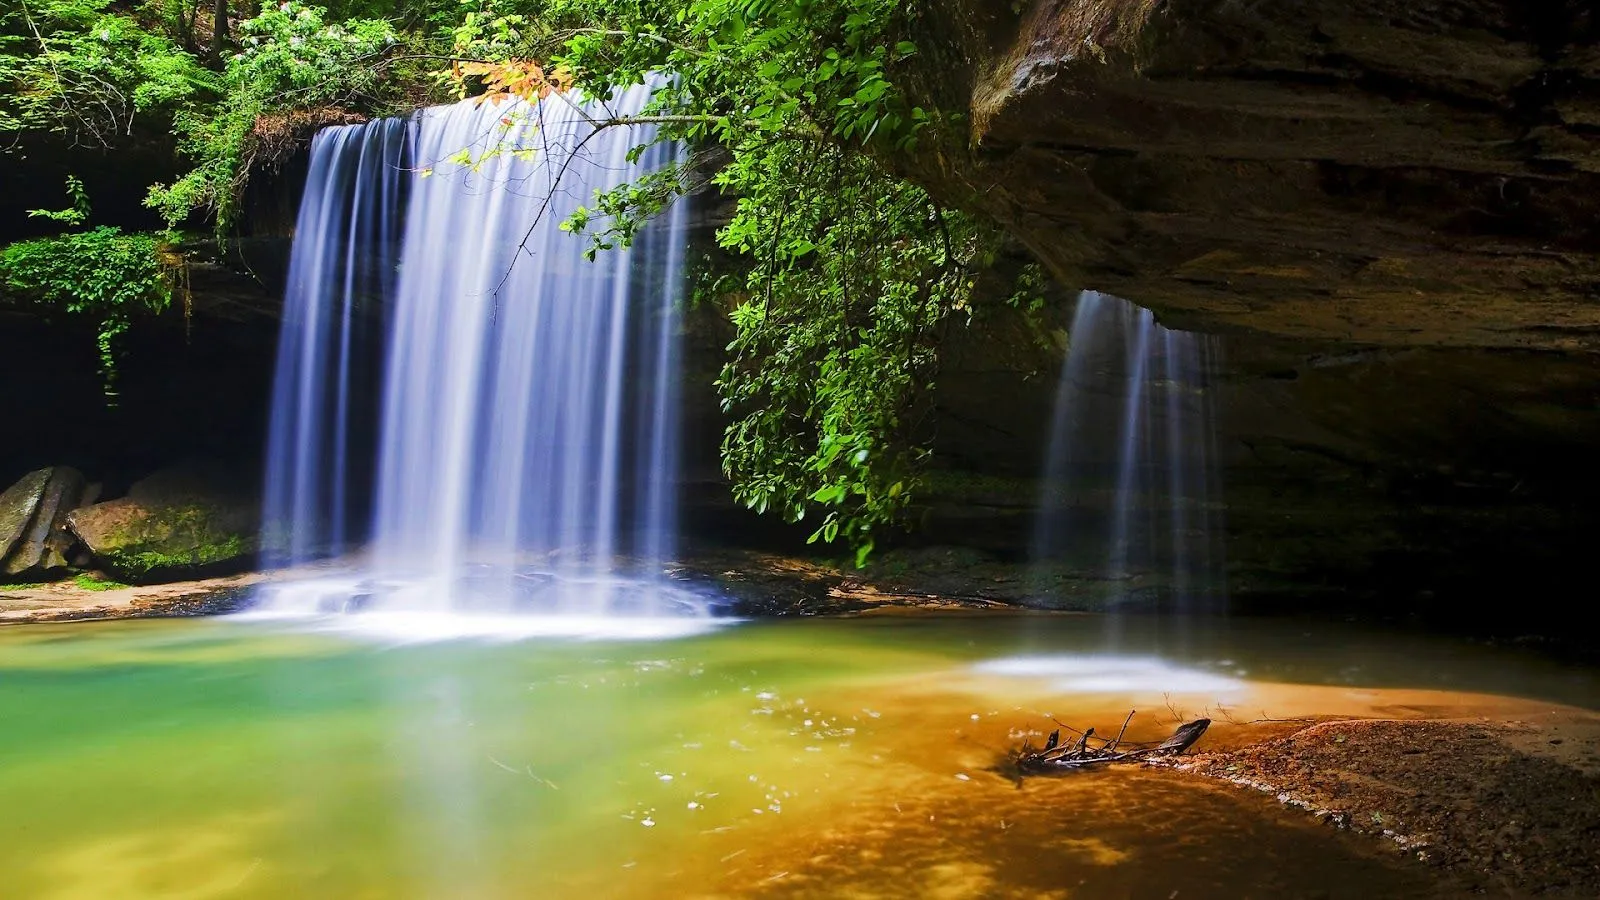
(1131, 491)
(525, 447)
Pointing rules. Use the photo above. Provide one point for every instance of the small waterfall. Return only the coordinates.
(1131, 491)
(526, 452)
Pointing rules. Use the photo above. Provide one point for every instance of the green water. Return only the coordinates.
(215, 758)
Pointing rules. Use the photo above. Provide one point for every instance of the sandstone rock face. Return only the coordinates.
(1391, 172)
(180, 522)
(33, 536)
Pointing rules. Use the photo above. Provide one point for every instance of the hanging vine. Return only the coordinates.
(103, 274)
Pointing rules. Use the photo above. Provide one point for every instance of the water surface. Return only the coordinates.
(825, 758)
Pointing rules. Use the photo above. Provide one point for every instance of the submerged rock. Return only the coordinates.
(178, 523)
(33, 537)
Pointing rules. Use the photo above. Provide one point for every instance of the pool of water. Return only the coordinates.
(822, 758)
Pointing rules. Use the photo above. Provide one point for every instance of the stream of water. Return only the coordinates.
(341, 274)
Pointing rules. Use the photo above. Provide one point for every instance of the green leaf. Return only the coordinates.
(863, 550)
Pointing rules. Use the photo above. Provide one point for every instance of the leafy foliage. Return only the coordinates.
(853, 275)
(291, 59)
(79, 68)
(74, 215)
(848, 272)
(102, 273)
(518, 78)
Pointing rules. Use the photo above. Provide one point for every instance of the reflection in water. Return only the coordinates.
(1104, 674)
(443, 812)
(825, 758)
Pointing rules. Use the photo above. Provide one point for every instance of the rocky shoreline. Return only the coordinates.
(1507, 808)
(87, 598)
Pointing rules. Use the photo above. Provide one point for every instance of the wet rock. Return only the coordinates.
(34, 541)
(183, 522)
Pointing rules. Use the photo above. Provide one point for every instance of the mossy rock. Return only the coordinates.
(179, 523)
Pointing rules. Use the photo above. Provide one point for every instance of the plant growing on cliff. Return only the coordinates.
(292, 61)
(851, 278)
(102, 273)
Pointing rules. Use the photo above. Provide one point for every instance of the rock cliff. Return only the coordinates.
(1391, 172)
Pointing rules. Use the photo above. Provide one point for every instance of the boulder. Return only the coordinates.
(182, 522)
(33, 537)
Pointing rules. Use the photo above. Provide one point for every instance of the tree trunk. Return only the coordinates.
(219, 28)
(185, 27)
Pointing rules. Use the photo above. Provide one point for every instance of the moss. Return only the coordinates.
(21, 587)
(141, 542)
(208, 552)
(91, 582)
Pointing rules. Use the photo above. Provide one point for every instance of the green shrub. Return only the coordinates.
(104, 274)
(84, 69)
(291, 60)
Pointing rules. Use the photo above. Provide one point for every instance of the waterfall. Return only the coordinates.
(1131, 490)
(525, 454)
(340, 274)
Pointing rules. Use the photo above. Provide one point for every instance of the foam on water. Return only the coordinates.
(422, 627)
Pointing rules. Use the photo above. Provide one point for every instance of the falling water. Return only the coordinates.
(340, 274)
(1131, 493)
(527, 448)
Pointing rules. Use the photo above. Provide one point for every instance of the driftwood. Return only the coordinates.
(1055, 756)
